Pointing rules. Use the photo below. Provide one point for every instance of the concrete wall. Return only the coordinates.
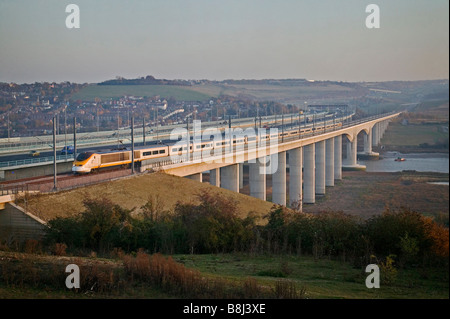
(17, 226)
(35, 171)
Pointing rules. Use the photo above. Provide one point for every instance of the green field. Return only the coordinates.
(106, 92)
(262, 92)
(314, 278)
(422, 128)
(414, 135)
(321, 278)
(269, 92)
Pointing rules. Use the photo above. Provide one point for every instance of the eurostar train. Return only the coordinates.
(92, 161)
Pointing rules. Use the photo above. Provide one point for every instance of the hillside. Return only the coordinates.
(106, 92)
(165, 190)
(296, 92)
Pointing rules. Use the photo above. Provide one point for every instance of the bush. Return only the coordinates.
(59, 249)
(287, 289)
(388, 272)
(32, 246)
(385, 232)
(212, 226)
(101, 225)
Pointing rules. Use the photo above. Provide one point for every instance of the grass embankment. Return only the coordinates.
(164, 190)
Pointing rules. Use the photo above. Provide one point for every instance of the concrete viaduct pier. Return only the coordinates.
(313, 163)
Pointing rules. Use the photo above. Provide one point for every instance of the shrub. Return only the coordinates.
(385, 231)
(209, 227)
(439, 237)
(32, 246)
(164, 273)
(59, 249)
(409, 249)
(287, 289)
(388, 272)
(251, 289)
(68, 230)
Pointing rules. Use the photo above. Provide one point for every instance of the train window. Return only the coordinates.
(162, 151)
(84, 156)
(154, 152)
(198, 146)
(146, 153)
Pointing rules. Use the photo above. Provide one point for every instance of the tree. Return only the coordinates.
(102, 219)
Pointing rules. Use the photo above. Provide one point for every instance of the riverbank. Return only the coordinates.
(408, 149)
(420, 162)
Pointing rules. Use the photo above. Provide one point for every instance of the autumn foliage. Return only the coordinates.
(214, 226)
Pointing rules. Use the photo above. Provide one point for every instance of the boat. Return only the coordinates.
(399, 159)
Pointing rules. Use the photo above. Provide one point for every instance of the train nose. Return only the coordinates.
(80, 169)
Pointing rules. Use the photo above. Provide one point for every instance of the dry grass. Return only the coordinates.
(134, 192)
(366, 194)
(108, 278)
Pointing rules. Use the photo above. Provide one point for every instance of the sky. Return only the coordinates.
(223, 39)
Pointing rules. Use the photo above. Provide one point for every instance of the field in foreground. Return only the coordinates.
(311, 278)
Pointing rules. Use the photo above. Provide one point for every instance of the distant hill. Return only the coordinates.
(148, 80)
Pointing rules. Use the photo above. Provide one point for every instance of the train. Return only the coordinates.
(93, 161)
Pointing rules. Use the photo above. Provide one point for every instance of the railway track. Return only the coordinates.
(64, 181)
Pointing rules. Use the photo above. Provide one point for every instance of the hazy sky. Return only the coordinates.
(223, 39)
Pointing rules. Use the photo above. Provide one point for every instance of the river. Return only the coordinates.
(421, 162)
